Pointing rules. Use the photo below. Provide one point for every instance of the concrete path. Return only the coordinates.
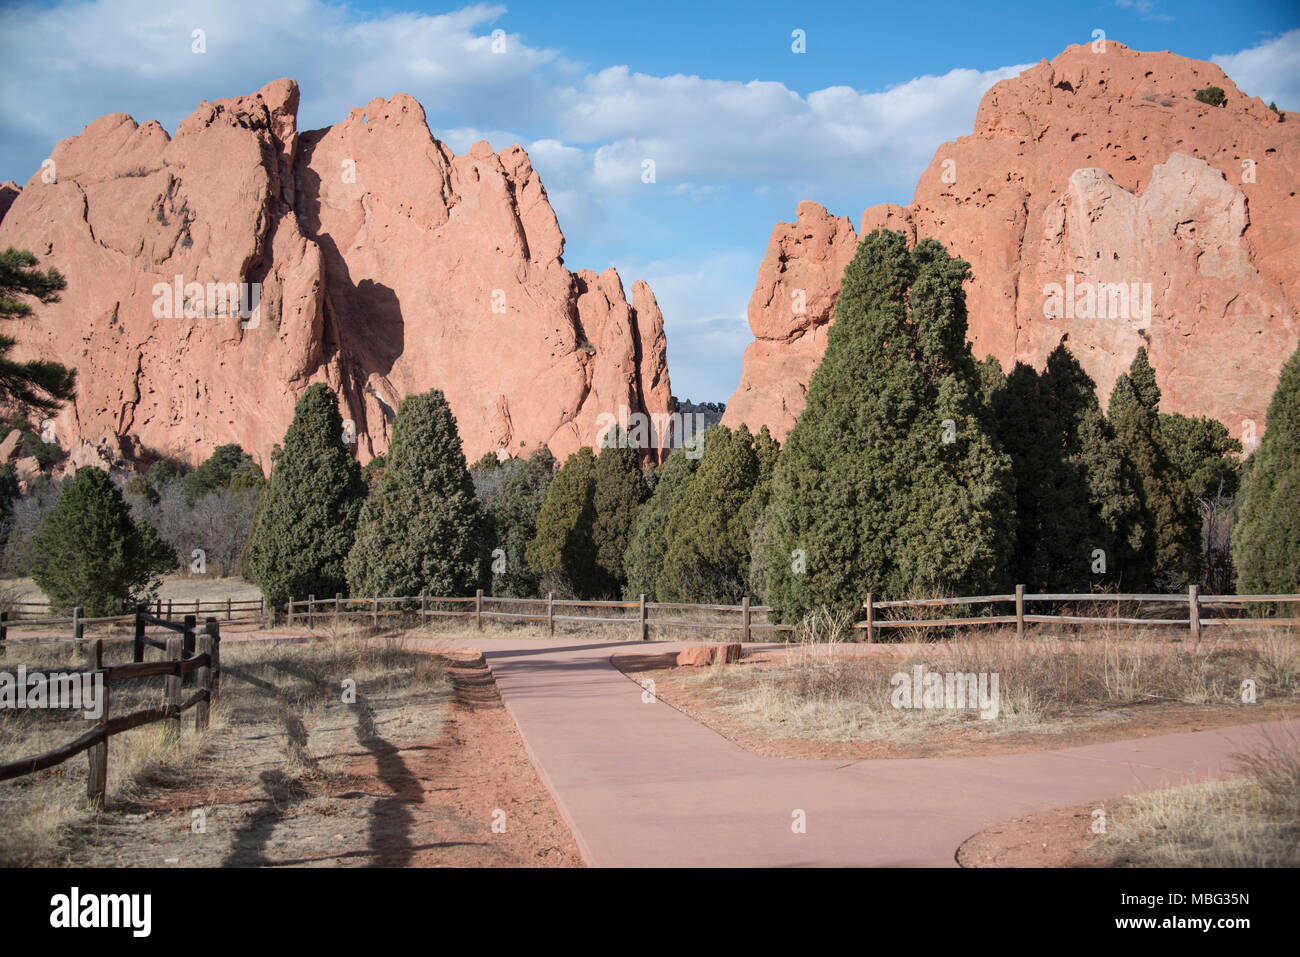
(644, 785)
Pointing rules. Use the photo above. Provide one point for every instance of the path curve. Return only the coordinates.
(643, 785)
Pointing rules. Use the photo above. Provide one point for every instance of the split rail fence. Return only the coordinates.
(187, 651)
(1198, 611)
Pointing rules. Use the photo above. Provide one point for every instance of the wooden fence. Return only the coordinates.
(187, 652)
(38, 612)
(479, 607)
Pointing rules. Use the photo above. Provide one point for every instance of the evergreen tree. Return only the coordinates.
(618, 493)
(89, 552)
(767, 453)
(644, 559)
(37, 383)
(421, 530)
(1204, 454)
(1266, 531)
(513, 519)
(1076, 507)
(563, 552)
(889, 482)
(1171, 558)
(228, 467)
(707, 557)
(307, 516)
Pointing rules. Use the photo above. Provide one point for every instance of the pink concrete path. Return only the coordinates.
(643, 785)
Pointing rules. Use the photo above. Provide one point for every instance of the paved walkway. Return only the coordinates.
(644, 785)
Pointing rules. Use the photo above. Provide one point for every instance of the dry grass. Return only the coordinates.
(295, 689)
(820, 690)
(1246, 822)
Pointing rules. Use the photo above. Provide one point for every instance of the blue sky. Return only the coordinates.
(741, 128)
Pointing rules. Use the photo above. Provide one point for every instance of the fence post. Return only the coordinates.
(311, 612)
(1020, 611)
(196, 608)
(203, 678)
(1194, 611)
(191, 622)
(744, 618)
(871, 617)
(228, 616)
(172, 686)
(424, 604)
(550, 613)
(213, 630)
(137, 647)
(338, 606)
(4, 631)
(290, 621)
(97, 779)
(78, 629)
(169, 609)
(478, 608)
(645, 627)
(374, 612)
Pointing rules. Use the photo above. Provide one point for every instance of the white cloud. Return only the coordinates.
(1270, 71)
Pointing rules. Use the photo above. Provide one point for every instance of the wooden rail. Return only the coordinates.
(480, 607)
(189, 652)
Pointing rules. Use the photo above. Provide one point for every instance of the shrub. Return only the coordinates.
(1213, 95)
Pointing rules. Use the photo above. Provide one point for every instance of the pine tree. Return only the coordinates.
(513, 520)
(708, 537)
(37, 383)
(889, 482)
(421, 531)
(563, 552)
(644, 559)
(307, 516)
(1170, 558)
(89, 552)
(1266, 530)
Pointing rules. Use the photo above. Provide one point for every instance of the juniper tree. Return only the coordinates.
(1204, 453)
(1078, 515)
(618, 492)
(1170, 556)
(563, 552)
(89, 552)
(644, 559)
(1266, 530)
(421, 529)
(889, 482)
(512, 518)
(307, 516)
(707, 553)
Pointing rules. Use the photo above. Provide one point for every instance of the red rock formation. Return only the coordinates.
(1101, 166)
(387, 265)
(9, 191)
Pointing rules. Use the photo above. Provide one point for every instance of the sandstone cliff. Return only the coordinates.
(1098, 167)
(374, 259)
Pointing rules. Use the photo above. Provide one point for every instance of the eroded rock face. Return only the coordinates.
(376, 261)
(1098, 167)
